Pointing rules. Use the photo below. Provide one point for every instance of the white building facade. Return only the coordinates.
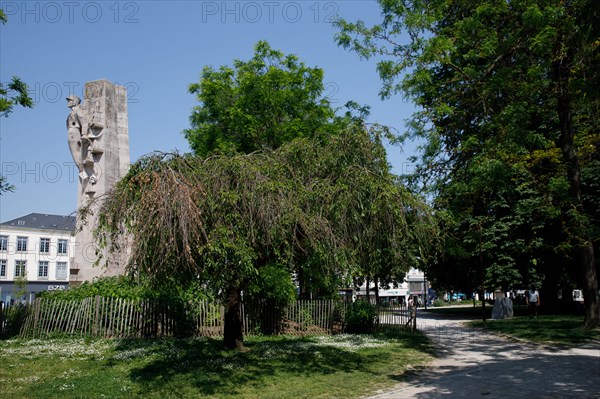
(415, 284)
(35, 255)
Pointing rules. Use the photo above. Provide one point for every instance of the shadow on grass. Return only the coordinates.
(171, 365)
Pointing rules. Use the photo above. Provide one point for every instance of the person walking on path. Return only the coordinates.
(533, 301)
(412, 311)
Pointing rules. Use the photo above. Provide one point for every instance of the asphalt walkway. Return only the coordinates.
(471, 363)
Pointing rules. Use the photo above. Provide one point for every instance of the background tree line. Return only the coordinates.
(507, 96)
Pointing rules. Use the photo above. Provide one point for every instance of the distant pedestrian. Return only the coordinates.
(532, 297)
(412, 311)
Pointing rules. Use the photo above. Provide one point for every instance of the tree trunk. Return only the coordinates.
(585, 257)
(233, 334)
(584, 247)
(483, 311)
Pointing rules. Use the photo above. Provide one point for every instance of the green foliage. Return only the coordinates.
(14, 93)
(20, 288)
(306, 205)
(261, 103)
(13, 317)
(287, 184)
(360, 318)
(274, 285)
(506, 93)
(112, 287)
(5, 186)
(126, 287)
(438, 303)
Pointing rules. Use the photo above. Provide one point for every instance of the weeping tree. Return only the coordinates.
(381, 227)
(218, 220)
(224, 219)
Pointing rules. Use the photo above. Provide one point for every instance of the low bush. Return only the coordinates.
(126, 287)
(360, 318)
(438, 303)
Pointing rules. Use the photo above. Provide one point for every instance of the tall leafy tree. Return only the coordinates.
(261, 103)
(507, 92)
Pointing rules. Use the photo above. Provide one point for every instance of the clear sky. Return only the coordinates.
(155, 49)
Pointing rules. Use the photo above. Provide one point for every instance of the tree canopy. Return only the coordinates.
(261, 103)
(224, 219)
(277, 184)
(507, 95)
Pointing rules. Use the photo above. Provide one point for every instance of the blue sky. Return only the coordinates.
(155, 49)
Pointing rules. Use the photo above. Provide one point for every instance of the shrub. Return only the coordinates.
(127, 288)
(438, 303)
(274, 284)
(360, 318)
(13, 318)
(268, 295)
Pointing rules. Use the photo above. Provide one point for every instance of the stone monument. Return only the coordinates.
(98, 139)
(503, 307)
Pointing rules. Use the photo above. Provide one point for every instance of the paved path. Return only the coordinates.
(474, 364)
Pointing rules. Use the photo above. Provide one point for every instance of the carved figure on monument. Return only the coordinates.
(83, 142)
(75, 122)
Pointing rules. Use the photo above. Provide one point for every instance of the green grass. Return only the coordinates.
(548, 329)
(341, 366)
(562, 330)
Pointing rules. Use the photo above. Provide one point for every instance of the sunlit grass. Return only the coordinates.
(547, 329)
(344, 366)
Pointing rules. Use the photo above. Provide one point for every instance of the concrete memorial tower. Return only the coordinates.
(99, 142)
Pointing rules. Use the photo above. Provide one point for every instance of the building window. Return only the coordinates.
(61, 270)
(43, 270)
(44, 245)
(62, 246)
(21, 244)
(3, 243)
(2, 268)
(20, 268)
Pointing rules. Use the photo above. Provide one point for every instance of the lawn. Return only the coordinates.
(342, 366)
(559, 329)
(563, 330)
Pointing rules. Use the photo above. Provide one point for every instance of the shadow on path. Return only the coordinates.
(471, 363)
